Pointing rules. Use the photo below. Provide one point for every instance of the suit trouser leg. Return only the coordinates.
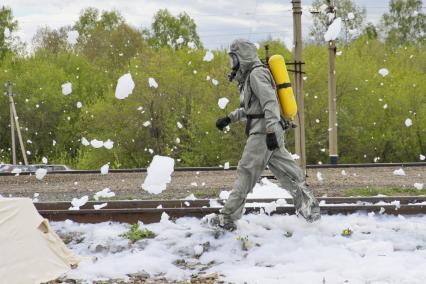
(292, 178)
(250, 167)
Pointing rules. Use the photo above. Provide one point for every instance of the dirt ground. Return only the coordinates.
(203, 184)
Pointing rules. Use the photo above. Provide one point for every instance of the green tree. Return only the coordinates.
(166, 29)
(106, 38)
(7, 26)
(45, 114)
(113, 49)
(370, 31)
(351, 27)
(183, 109)
(405, 23)
(91, 20)
(53, 40)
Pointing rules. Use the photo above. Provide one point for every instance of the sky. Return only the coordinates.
(218, 22)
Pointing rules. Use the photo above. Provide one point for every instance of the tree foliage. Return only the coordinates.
(52, 40)
(351, 27)
(91, 20)
(7, 26)
(170, 31)
(182, 111)
(405, 23)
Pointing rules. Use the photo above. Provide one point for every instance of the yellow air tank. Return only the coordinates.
(284, 89)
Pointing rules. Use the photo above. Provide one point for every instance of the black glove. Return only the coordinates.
(271, 141)
(221, 123)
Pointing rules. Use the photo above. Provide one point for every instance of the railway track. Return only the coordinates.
(150, 211)
(201, 169)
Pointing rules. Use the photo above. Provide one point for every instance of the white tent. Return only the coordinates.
(30, 251)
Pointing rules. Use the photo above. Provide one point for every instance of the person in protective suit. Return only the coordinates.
(260, 108)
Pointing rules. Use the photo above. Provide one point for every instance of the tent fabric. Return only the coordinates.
(30, 251)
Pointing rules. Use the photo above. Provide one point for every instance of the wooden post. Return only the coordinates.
(298, 86)
(18, 129)
(14, 121)
(332, 98)
(12, 124)
(332, 115)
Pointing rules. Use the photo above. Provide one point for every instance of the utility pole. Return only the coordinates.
(14, 121)
(297, 37)
(332, 113)
(12, 124)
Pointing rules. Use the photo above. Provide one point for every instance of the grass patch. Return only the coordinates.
(207, 193)
(120, 198)
(392, 191)
(245, 244)
(135, 234)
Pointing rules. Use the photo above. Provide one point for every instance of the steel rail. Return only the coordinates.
(209, 169)
(153, 215)
(134, 211)
(131, 204)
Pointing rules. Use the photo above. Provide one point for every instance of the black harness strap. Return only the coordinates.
(248, 81)
(284, 124)
(250, 117)
(253, 116)
(284, 85)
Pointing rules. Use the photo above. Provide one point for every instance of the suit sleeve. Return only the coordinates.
(238, 114)
(264, 89)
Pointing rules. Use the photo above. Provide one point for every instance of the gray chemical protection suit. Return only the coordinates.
(258, 98)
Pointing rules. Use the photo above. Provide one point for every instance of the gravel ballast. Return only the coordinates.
(203, 184)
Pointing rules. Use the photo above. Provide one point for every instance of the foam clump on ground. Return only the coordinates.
(278, 249)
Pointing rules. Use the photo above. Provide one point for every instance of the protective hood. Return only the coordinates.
(247, 56)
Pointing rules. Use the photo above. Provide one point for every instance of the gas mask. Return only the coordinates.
(235, 65)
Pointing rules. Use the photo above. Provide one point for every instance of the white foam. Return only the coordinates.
(408, 122)
(85, 142)
(66, 88)
(78, 202)
(99, 206)
(125, 86)
(158, 174)
(209, 56)
(152, 83)
(418, 185)
(72, 37)
(96, 143)
(105, 169)
(40, 173)
(399, 172)
(104, 193)
(222, 102)
(108, 144)
(333, 30)
(180, 40)
(394, 242)
(384, 72)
